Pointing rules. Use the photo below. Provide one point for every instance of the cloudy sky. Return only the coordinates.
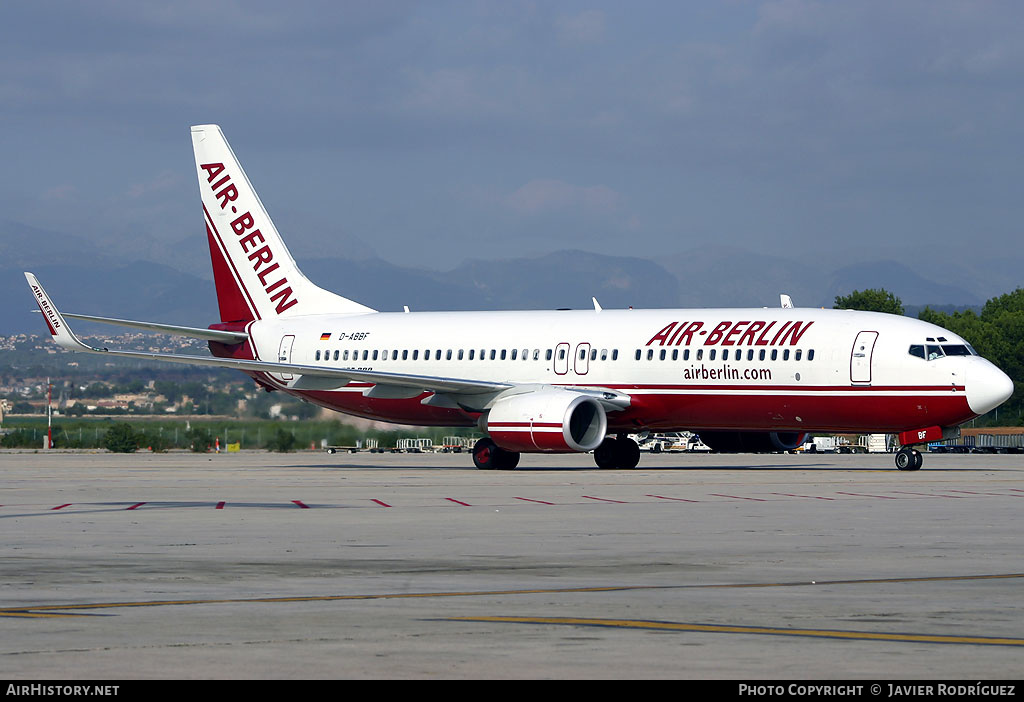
(428, 133)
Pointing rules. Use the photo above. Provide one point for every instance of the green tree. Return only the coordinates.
(870, 300)
(121, 438)
(201, 439)
(997, 333)
(283, 441)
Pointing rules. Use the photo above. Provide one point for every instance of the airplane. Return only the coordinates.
(556, 381)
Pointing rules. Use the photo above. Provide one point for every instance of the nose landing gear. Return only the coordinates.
(908, 458)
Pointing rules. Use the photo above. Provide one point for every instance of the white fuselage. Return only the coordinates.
(769, 369)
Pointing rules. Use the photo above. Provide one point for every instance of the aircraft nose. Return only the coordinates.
(987, 387)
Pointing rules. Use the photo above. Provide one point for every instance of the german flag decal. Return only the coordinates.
(325, 336)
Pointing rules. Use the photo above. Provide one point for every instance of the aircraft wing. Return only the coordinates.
(400, 383)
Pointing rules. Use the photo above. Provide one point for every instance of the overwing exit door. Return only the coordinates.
(581, 361)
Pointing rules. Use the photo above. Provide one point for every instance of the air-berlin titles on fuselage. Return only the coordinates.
(263, 258)
(730, 333)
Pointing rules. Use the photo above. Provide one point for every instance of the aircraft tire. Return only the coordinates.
(506, 460)
(628, 453)
(606, 455)
(485, 453)
(908, 459)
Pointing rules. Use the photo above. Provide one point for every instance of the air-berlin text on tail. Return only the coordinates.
(47, 309)
(262, 257)
(729, 333)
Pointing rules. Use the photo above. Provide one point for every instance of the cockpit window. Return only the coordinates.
(956, 350)
(933, 351)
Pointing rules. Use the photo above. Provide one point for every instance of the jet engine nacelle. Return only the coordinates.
(548, 419)
(752, 441)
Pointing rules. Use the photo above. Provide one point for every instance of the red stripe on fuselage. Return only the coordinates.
(866, 410)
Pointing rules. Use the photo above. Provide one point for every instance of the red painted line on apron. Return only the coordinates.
(676, 499)
(452, 499)
(540, 502)
(136, 505)
(813, 497)
(738, 497)
(61, 507)
(605, 499)
(300, 504)
(382, 504)
(998, 494)
(928, 494)
(220, 505)
(864, 494)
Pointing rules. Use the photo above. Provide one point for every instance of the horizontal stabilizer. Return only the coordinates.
(227, 337)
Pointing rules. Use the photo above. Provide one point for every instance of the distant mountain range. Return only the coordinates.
(83, 278)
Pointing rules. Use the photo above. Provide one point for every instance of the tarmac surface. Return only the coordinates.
(308, 565)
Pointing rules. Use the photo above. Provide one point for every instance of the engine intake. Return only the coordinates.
(548, 420)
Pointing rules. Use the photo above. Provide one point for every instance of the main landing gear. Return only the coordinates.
(488, 456)
(909, 459)
(617, 452)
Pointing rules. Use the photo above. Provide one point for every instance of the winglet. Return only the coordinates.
(59, 329)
